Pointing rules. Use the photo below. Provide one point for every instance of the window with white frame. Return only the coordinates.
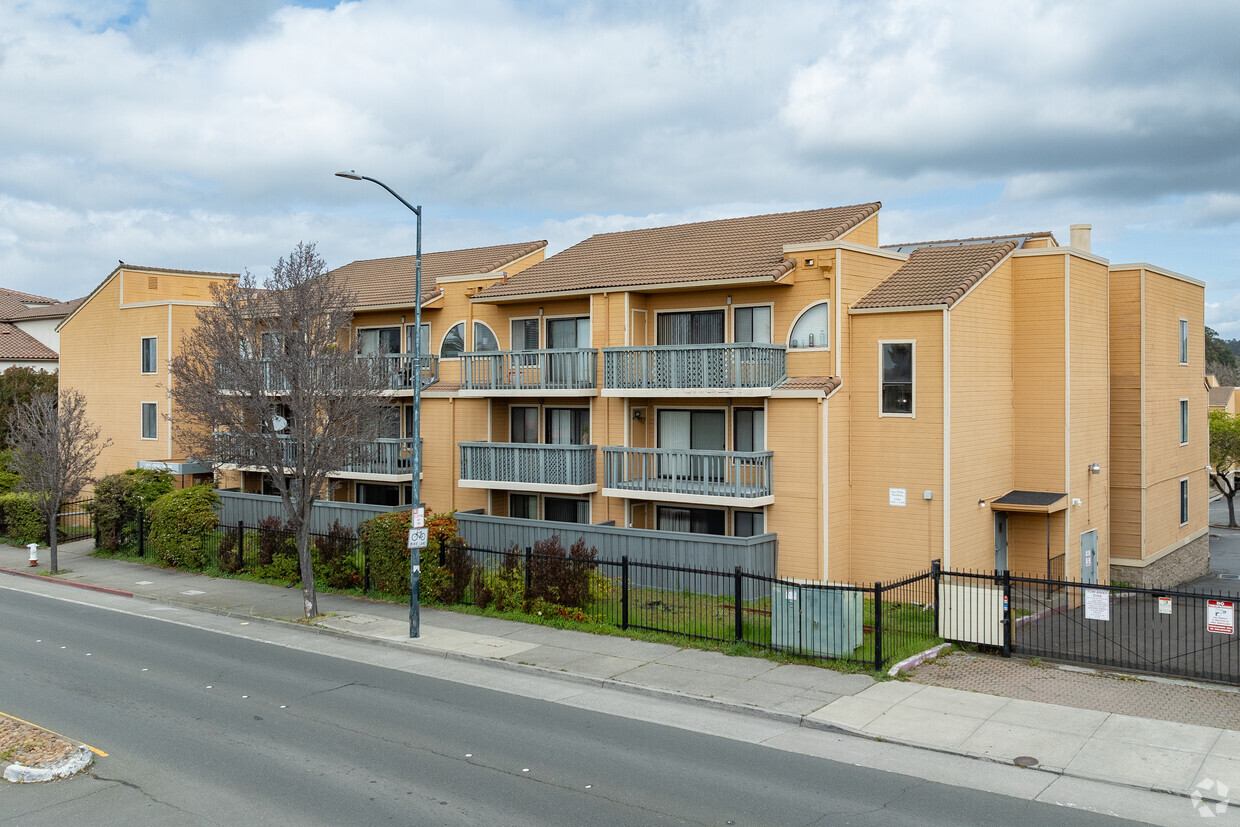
(752, 324)
(425, 344)
(150, 421)
(1183, 341)
(1183, 421)
(524, 334)
(690, 327)
(149, 353)
(375, 341)
(453, 344)
(1183, 501)
(812, 327)
(484, 338)
(897, 378)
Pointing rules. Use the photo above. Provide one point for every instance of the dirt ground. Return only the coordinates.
(21, 743)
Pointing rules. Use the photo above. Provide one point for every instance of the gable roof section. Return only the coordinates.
(730, 248)
(1220, 397)
(82, 302)
(16, 343)
(13, 302)
(51, 311)
(936, 276)
(387, 281)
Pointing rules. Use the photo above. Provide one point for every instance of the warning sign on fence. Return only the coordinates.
(1221, 616)
(1097, 604)
(1164, 605)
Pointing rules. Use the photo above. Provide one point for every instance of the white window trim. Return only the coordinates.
(1184, 505)
(512, 346)
(793, 326)
(1185, 421)
(357, 331)
(404, 339)
(146, 372)
(771, 305)
(542, 417)
(1182, 341)
(542, 328)
(141, 412)
(912, 414)
(473, 335)
(728, 422)
(464, 348)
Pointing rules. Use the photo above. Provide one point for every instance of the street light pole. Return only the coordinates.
(415, 495)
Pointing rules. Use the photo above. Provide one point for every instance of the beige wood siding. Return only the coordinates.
(793, 430)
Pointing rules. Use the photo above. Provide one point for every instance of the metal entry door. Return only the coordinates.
(1001, 541)
(1089, 556)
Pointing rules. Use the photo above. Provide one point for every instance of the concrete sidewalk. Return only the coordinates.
(1096, 744)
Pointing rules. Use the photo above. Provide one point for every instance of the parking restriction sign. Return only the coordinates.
(1221, 617)
(417, 517)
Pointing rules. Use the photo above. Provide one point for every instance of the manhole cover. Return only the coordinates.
(1025, 761)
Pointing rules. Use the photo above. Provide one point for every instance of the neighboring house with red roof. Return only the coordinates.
(28, 336)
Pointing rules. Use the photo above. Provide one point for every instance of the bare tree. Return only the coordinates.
(55, 448)
(266, 380)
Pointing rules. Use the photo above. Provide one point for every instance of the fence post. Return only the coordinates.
(878, 626)
(1007, 613)
(527, 572)
(740, 611)
(624, 592)
(936, 571)
(141, 531)
(241, 543)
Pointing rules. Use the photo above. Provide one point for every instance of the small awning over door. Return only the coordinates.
(1036, 502)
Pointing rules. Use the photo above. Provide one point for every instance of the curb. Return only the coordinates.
(20, 774)
(88, 586)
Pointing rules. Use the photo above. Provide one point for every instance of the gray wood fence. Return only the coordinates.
(236, 507)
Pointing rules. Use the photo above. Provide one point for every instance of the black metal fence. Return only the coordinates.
(1156, 631)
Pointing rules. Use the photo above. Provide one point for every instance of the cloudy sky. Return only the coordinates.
(203, 135)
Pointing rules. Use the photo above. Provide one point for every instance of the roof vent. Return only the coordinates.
(1080, 236)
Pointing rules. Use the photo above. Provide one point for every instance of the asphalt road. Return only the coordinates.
(206, 728)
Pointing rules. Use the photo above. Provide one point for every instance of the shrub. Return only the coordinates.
(283, 566)
(22, 523)
(335, 564)
(228, 556)
(118, 501)
(8, 479)
(559, 577)
(274, 538)
(181, 523)
(383, 540)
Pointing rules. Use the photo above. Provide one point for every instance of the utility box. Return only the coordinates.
(816, 620)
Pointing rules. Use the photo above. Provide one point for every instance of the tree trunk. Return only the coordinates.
(51, 543)
(1231, 509)
(309, 595)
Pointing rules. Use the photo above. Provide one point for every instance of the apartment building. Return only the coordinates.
(28, 336)
(116, 346)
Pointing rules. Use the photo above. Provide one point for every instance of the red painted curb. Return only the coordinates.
(46, 579)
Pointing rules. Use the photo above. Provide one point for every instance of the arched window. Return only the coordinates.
(484, 338)
(453, 343)
(811, 327)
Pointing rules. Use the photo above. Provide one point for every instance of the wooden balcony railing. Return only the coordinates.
(735, 475)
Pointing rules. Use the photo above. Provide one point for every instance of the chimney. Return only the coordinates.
(1080, 236)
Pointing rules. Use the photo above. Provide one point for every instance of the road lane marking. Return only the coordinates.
(98, 752)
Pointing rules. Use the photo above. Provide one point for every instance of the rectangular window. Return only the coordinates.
(525, 334)
(751, 324)
(524, 424)
(425, 344)
(692, 520)
(897, 381)
(699, 327)
(389, 422)
(568, 333)
(377, 340)
(1183, 421)
(685, 431)
(523, 506)
(561, 510)
(1183, 341)
(568, 426)
(150, 419)
(372, 494)
(1183, 502)
(148, 354)
(747, 523)
(748, 429)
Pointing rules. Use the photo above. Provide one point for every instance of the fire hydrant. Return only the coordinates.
(34, 553)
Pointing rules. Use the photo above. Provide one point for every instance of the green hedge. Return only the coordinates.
(119, 499)
(181, 524)
(384, 540)
(22, 523)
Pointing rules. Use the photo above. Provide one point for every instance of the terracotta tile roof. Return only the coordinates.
(731, 248)
(935, 276)
(16, 343)
(13, 302)
(442, 387)
(1220, 397)
(826, 384)
(388, 281)
(51, 311)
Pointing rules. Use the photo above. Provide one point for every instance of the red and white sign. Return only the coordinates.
(1221, 617)
(417, 517)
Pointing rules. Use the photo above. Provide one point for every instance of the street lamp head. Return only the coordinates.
(351, 175)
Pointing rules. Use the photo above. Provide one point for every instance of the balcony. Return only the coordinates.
(569, 372)
(379, 458)
(737, 478)
(396, 372)
(562, 469)
(745, 369)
